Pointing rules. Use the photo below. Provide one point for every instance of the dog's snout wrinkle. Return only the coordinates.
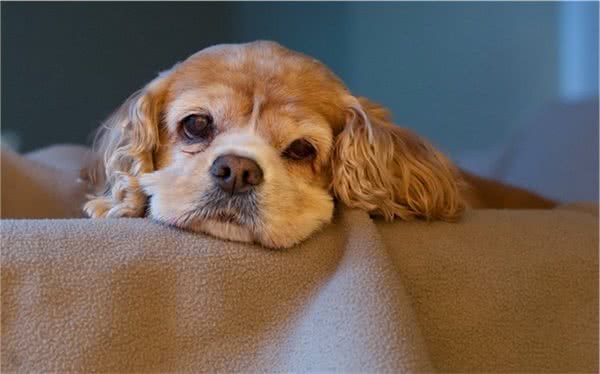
(235, 174)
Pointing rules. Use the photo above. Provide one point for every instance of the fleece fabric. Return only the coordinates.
(499, 291)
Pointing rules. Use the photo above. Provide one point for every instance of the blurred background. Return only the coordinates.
(508, 90)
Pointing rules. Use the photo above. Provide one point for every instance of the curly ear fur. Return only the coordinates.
(390, 171)
(126, 142)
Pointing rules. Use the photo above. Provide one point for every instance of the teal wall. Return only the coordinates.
(461, 74)
(66, 66)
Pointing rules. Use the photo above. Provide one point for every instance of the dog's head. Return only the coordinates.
(253, 142)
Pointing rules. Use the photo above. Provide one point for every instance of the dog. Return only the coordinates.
(255, 142)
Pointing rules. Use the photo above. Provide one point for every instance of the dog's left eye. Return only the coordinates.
(300, 149)
(197, 127)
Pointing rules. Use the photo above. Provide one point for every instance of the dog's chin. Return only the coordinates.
(223, 228)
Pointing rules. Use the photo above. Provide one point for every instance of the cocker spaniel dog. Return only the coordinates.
(254, 143)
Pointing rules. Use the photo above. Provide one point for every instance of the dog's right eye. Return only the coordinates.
(197, 127)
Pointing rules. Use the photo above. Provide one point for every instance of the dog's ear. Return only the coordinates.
(390, 171)
(125, 145)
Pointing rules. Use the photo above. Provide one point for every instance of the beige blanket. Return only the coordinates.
(499, 291)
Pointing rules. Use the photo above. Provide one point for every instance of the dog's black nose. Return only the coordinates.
(235, 174)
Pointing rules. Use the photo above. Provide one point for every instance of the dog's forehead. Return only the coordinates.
(263, 69)
(258, 63)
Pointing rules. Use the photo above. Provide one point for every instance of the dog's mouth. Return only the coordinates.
(235, 218)
(226, 217)
(241, 210)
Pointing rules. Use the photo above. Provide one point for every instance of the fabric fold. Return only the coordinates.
(131, 295)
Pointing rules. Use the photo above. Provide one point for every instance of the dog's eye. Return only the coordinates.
(300, 149)
(197, 126)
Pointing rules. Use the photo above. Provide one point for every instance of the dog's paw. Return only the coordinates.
(126, 199)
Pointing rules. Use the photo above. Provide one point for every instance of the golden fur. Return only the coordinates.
(262, 97)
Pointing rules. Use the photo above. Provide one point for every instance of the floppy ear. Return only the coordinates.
(390, 171)
(125, 144)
